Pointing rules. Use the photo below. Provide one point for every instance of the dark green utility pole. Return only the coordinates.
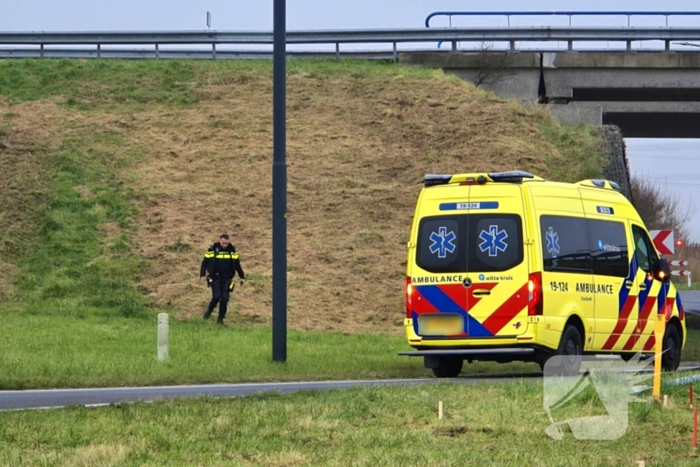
(279, 186)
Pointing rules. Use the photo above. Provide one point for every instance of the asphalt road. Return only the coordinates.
(54, 398)
(691, 301)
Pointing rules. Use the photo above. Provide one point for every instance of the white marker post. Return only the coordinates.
(162, 337)
(683, 273)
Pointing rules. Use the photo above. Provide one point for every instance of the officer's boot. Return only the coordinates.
(222, 311)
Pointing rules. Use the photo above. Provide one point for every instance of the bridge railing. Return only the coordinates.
(569, 14)
(146, 44)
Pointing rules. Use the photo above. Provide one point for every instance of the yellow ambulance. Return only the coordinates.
(507, 266)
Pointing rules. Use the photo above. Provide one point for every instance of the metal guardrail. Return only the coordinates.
(570, 14)
(354, 36)
(134, 54)
(44, 41)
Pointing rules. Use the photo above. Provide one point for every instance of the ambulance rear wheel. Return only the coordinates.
(448, 368)
(569, 352)
(671, 358)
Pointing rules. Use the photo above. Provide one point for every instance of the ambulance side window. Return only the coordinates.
(645, 253)
(608, 244)
(565, 244)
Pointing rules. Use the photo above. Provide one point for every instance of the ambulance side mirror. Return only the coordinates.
(664, 272)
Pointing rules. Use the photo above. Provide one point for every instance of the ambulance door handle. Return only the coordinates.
(642, 286)
(482, 292)
(629, 284)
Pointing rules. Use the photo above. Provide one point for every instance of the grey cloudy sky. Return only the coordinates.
(254, 14)
(679, 172)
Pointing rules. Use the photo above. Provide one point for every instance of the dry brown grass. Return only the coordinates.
(358, 148)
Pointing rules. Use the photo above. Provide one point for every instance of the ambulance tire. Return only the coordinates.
(448, 368)
(570, 350)
(671, 358)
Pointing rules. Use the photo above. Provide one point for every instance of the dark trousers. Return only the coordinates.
(220, 295)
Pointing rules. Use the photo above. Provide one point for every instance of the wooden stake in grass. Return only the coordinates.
(665, 401)
(439, 410)
(695, 428)
(690, 395)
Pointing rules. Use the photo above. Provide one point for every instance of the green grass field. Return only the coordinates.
(55, 351)
(41, 351)
(500, 425)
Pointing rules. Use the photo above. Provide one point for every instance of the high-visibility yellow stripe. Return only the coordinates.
(227, 256)
(209, 254)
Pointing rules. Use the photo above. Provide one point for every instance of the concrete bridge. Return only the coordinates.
(646, 94)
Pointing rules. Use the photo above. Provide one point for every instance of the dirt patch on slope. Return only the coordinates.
(357, 150)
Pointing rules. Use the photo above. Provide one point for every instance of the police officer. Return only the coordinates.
(221, 263)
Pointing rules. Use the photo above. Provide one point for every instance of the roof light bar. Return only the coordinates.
(436, 179)
(599, 183)
(514, 176)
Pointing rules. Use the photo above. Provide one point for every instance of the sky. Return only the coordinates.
(74, 15)
(673, 165)
(679, 173)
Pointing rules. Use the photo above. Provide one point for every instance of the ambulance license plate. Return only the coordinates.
(440, 325)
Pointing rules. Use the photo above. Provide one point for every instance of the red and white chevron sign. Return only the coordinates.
(663, 241)
(680, 273)
(678, 263)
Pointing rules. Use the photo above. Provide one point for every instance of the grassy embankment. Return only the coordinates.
(119, 174)
(501, 425)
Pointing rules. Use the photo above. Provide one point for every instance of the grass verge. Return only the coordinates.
(502, 424)
(98, 351)
(41, 351)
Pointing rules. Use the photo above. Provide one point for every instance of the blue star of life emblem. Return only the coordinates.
(493, 240)
(443, 242)
(552, 242)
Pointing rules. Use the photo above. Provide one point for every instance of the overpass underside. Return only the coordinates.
(653, 95)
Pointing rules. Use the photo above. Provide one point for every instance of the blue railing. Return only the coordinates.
(570, 14)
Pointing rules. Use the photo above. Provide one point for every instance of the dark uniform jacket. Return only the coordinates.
(221, 263)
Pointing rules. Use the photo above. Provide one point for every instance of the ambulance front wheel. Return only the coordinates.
(448, 368)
